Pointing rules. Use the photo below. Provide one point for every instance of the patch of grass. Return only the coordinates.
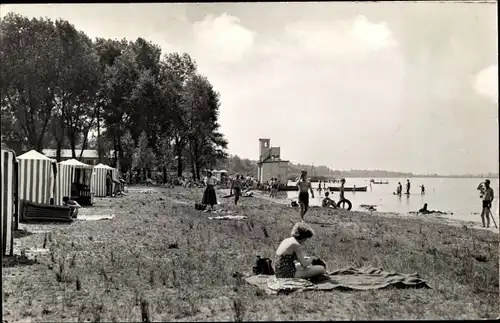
(179, 265)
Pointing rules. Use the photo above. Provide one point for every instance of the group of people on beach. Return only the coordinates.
(274, 185)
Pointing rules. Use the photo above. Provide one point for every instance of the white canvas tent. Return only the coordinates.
(98, 181)
(66, 172)
(36, 177)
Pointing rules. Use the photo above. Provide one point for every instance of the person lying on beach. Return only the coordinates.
(73, 205)
(328, 202)
(424, 210)
(290, 251)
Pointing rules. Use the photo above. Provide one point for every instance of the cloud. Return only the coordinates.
(338, 38)
(223, 38)
(486, 83)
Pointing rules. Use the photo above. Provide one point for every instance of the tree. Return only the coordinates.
(143, 156)
(206, 144)
(79, 78)
(177, 70)
(30, 60)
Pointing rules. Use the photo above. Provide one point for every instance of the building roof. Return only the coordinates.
(67, 153)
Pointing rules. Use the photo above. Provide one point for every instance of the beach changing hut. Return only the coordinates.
(73, 180)
(9, 192)
(36, 177)
(98, 181)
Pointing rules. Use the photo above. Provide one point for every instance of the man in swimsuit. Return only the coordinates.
(408, 186)
(236, 187)
(304, 185)
(342, 183)
(399, 190)
(488, 195)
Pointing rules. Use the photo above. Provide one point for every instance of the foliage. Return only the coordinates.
(58, 87)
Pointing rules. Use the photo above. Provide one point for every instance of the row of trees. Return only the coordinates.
(58, 86)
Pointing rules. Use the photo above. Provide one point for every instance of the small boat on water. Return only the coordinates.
(288, 188)
(378, 182)
(348, 189)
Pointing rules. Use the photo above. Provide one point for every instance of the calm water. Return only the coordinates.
(452, 195)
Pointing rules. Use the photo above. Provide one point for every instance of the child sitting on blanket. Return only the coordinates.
(73, 205)
(290, 250)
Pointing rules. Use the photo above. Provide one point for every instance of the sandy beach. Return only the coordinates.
(159, 251)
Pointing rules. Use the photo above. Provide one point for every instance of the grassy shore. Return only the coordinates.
(160, 259)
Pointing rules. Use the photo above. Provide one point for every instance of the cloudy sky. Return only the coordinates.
(397, 86)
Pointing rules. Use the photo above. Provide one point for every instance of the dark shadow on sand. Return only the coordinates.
(17, 261)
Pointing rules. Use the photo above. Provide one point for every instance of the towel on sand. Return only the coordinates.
(229, 217)
(365, 278)
(94, 217)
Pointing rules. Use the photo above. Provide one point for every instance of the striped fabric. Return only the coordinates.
(8, 190)
(36, 177)
(64, 178)
(36, 180)
(98, 180)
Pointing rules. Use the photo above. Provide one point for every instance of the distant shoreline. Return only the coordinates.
(409, 176)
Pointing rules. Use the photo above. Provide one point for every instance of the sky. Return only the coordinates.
(390, 85)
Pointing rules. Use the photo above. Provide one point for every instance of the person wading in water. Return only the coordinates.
(304, 185)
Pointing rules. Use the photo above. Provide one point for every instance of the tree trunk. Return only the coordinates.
(58, 151)
(197, 170)
(115, 147)
(72, 142)
(99, 150)
(164, 174)
(178, 149)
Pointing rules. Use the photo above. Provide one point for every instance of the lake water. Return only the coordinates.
(451, 195)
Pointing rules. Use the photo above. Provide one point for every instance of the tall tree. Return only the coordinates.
(30, 59)
(179, 70)
(78, 84)
(144, 157)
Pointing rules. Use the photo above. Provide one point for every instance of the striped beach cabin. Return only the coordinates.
(9, 192)
(36, 177)
(98, 181)
(66, 175)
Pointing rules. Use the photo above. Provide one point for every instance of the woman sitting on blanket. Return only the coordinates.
(290, 250)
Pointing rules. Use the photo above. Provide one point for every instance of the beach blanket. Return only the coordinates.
(229, 217)
(94, 217)
(348, 279)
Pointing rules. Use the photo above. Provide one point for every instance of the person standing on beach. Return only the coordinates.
(342, 182)
(304, 186)
(423, 189)
(236, 188)
(488, 195)
(408, 186)
(209, 196)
